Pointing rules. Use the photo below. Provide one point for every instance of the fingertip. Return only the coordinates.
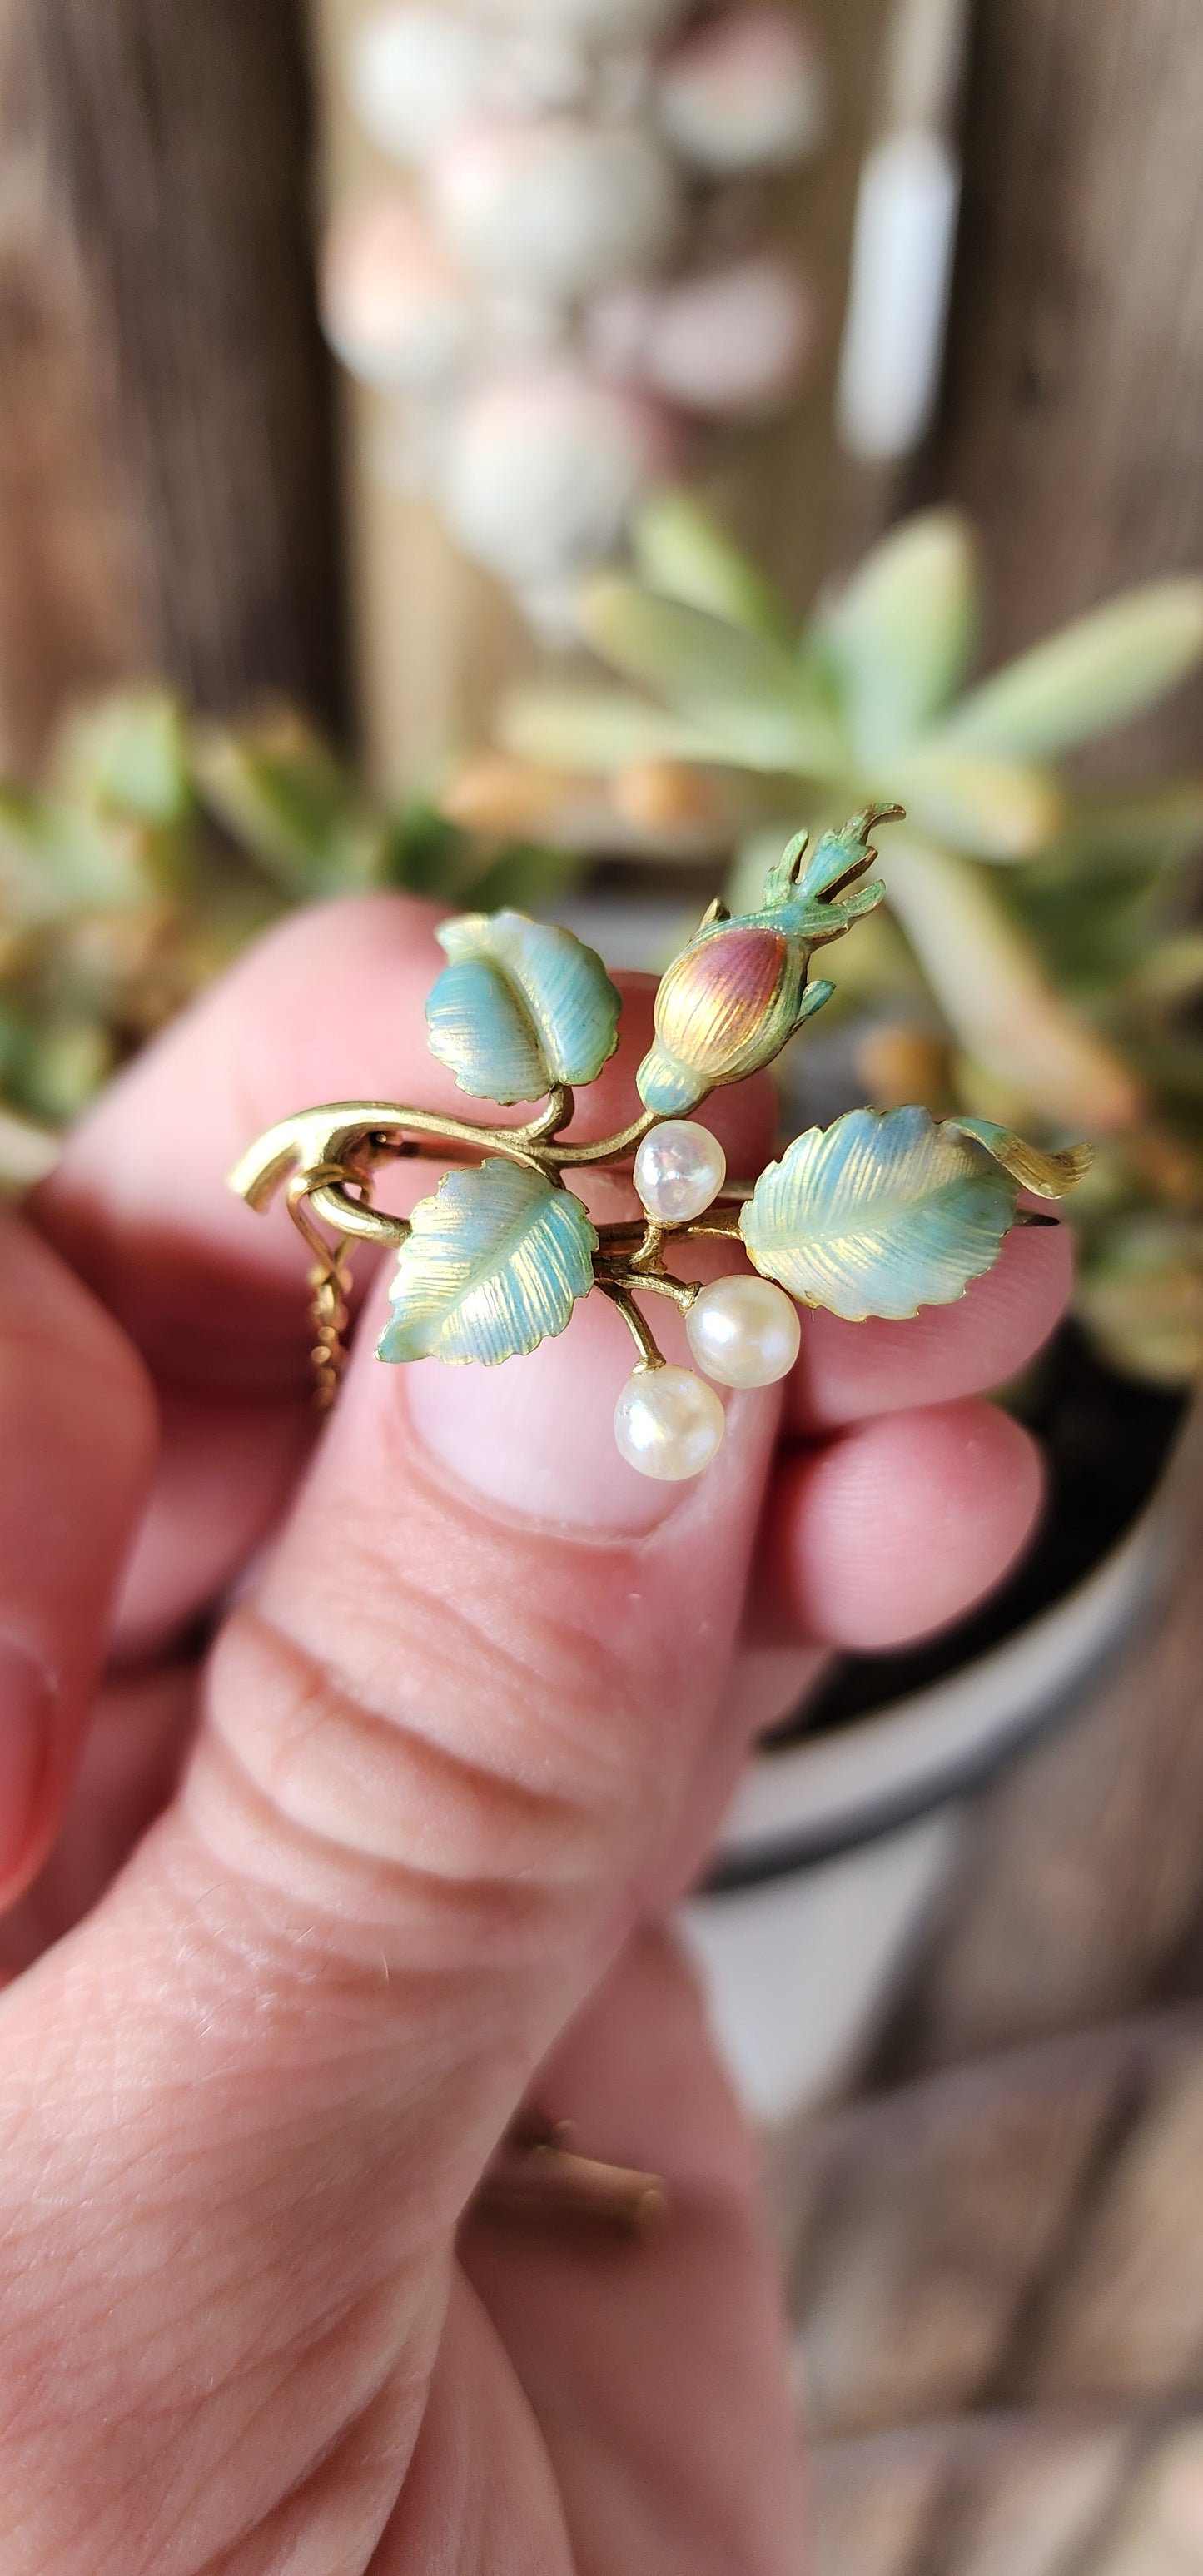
(899, 1526)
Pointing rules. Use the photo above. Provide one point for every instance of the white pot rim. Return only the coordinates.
(800, 1804)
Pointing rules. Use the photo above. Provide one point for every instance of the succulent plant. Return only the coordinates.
(1035, 961)
(155, 848)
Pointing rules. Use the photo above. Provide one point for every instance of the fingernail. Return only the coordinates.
(24, 1718)
(536, 1436)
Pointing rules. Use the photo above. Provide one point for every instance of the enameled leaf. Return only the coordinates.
(493, 1265)
(522, 1006)
(879, 1214)
(1051, 1176)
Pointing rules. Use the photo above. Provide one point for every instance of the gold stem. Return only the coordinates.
(660, 1283)
(608, 1148)
(650, 1354)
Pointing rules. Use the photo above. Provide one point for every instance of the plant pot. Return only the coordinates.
(849, 1820)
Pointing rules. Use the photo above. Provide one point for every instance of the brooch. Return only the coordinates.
(879, 1214)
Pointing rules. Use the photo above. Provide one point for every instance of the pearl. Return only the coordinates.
(744, 1332)
(679, 1169)
(668, 1424)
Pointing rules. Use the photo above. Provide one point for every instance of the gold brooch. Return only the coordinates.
(878, 1214)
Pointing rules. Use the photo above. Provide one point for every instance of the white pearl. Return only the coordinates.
(679, 1169)
(744, 1332)
(668, 1424)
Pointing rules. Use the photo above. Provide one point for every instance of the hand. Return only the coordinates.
(291, 1938)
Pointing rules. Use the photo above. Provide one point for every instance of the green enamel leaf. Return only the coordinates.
(757, 708)
(522, 1006)
(879, 1214)
(902, 631)
(1095, 673)
(1052, 1176)
(493, 1265)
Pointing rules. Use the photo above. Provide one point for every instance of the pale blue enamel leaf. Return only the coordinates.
(493, 1265)
(879, 1214)
(522, 1006)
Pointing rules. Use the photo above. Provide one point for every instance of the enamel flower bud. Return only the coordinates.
(668, 1424)
(731, 999)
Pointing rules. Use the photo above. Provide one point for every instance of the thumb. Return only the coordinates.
(451, 1737)
(442, 1743)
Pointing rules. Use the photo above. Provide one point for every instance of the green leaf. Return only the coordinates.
(902, 632)
(749, 700)
(522, 1006)
(684, 554)
(288, 801)
(1141, 1299)
(996, 996)
(878, 1215)
(521, 874)
(493, 1265)
(992, 809)
(1094, 674)
(595, 730)
(129, 752)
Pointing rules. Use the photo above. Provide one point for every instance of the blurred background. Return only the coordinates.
(544, 451)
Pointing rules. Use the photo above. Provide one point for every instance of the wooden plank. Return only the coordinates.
(72, 572)
(1016, 2232)
(1075, 377)
(985, 2496)
(933, 2218)
(157, 286)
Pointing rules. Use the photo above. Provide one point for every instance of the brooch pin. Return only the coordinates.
(879, 1214)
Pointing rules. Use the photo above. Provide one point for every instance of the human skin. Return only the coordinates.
(293, 1931)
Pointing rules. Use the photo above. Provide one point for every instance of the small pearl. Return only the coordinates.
(679, 1169)
(744, 1332)
(667, 1424)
